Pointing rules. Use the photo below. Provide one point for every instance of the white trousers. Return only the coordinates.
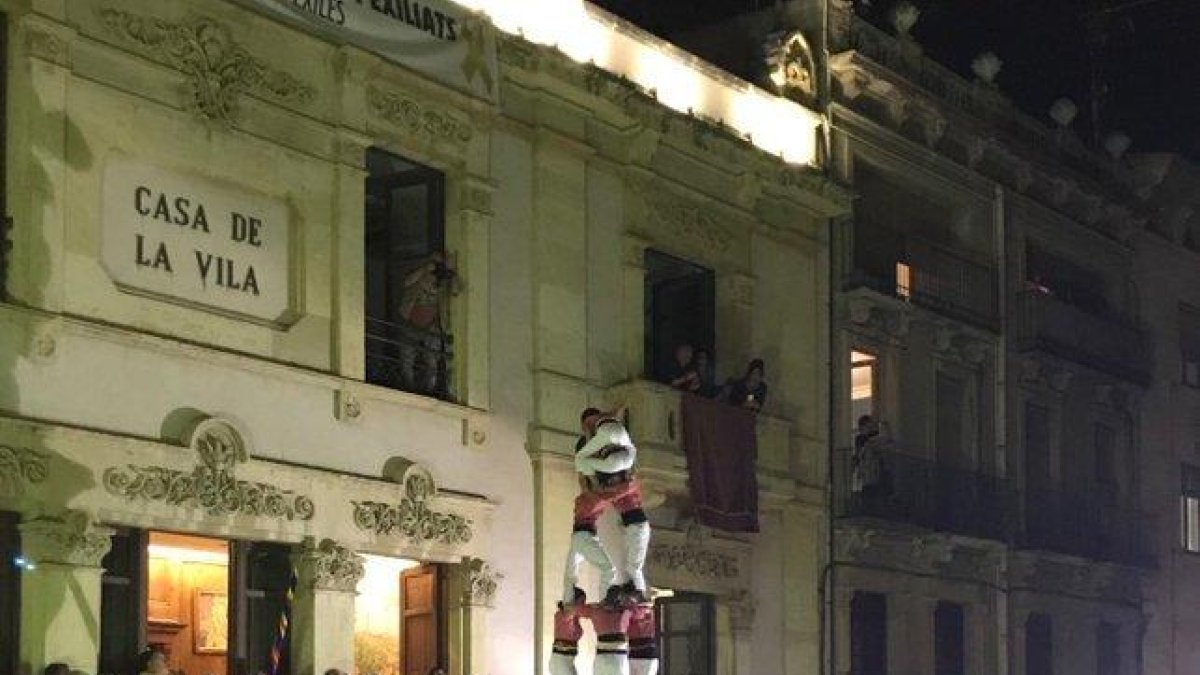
(586, 546)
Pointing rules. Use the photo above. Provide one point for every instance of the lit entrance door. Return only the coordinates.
(419, 615)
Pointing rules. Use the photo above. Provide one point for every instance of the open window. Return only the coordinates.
(680, 308)
(1039, 645)
(409, 277)
(400, 617)
(862, 386)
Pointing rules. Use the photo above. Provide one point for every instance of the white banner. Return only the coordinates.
(434, 37)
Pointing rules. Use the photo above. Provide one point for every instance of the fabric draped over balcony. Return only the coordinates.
(722, 455)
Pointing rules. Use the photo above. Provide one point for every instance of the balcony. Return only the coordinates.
(916, 270)
(404, 357)
(1110, 344)
(1087, 526)
(655, 423)
(921, 493)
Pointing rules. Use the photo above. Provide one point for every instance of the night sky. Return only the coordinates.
(1150, 62)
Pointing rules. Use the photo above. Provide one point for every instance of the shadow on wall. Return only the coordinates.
(40, 482)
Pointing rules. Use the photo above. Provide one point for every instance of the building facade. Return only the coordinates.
(303, 302)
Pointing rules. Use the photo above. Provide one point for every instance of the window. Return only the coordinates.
(1049, 274)
(903, 281)
(122, 610)
(949, 641)
(11, 566)
(1105, 458)
(1190, 509)
(409, 277)
(1189, 345)
(685, 625)
(862, 386)
(950, 432)
(1039, 645)
(1108, 648)
(680, 308)
(399, 617)
(868, 634)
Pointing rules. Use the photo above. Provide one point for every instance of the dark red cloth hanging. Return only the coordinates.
(722, 454)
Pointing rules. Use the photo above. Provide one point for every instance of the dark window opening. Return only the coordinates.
(1108, 648)
(123, 602)
(1106, 463)
(1053, 275)
(868, 634)
(1039, 645)
(680, 309)
(686, 629)
(11, 566)
(949, 641)
(1189, 346)
(409, 277)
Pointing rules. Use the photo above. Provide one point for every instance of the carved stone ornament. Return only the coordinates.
(413, 518)
(417, 117)
(212, 485)
(218, 69)
(68, 539)
(481, 583)
(19, 468)
(742, 608)
(680, 219)
(790, 66)
(330, 566)
(694, 558)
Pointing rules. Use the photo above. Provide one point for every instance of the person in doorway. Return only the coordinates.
(605, 463)
(867, 471)
(425, 290)
(153, 662)
(702, 365)
(750, 391)
(683, 375)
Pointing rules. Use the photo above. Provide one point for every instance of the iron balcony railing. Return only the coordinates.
(404, 357)
(1111, 344)
(1088, 525)
(920, 271)
(916, 491)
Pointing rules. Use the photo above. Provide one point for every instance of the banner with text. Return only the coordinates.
(197, 240)
(434, 37)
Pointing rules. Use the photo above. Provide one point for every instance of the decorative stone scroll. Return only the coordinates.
(481, 583)
(19, 468)
(330, 566)
(694, 558)
(418, 117)
(67, 539)
(680, 218)
(790, 66)
(218, 69)
(212, 485)
(413, 518)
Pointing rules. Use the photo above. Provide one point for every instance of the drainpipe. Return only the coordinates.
(1001, 421)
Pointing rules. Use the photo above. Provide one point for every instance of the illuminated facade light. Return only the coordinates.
(679, 80)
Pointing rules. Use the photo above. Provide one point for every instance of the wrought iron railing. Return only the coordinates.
(402, 356)
(936, 278)
(1110, 344)
(1088, 525)
(916, 491)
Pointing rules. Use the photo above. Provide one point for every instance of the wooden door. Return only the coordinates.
(420, 621)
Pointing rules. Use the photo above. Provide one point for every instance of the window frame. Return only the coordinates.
(707, 609)
(1189, 503)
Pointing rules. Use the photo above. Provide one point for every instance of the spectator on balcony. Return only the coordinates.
(868, 473)
(683, 374)
(749, 391)
(423, 296)
(706, 376)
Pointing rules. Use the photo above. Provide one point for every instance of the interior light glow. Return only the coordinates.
(376, 609)
(187, 555)
(674, 84)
